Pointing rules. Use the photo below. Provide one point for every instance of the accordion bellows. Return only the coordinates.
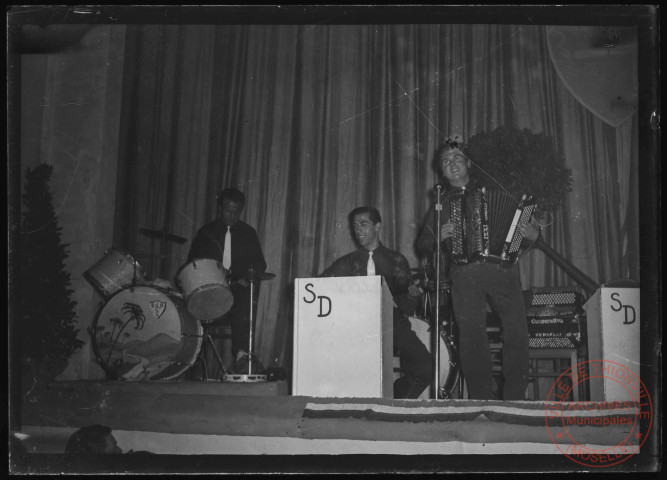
(486, 225)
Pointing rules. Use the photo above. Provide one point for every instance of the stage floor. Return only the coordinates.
(217, 418)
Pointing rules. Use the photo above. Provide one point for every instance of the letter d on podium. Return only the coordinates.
(322, 314)
(343, 343)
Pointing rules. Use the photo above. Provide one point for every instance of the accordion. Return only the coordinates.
(555, 318)
(486, 225)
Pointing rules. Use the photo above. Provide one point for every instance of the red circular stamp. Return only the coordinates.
(599, 433)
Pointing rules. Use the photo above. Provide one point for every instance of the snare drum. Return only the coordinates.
(449, 367)
(142, 333)
(115, 271)
(205, 288)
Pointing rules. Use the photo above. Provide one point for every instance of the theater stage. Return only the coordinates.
(216, 418)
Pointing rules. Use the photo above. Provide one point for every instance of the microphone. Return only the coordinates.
(438, 192)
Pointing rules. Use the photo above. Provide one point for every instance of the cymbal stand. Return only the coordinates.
(163, 240)
(134, 274)
(250, 376)
(252, 277)
(161, 256)
(157, 272)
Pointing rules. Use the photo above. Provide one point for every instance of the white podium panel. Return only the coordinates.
(612, 319)
(343, 337)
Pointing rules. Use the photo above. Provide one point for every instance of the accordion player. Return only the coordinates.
(486, 225)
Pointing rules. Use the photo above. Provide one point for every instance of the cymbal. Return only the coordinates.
(261, 276)
(162, 234)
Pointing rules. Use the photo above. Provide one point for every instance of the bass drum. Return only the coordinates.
(143, 333)
(449, 364)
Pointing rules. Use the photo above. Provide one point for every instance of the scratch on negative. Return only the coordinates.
(627, 359)
(61, 105)
(437, 79)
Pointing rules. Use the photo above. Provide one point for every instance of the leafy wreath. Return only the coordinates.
(521, 162)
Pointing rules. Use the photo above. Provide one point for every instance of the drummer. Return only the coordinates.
(235, 244)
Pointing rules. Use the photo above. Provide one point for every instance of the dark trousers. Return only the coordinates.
(416, 362)
(472, 286)
(239, 316)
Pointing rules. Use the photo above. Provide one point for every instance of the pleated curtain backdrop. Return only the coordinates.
(311, 121)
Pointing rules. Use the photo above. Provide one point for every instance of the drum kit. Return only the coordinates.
(149, 330)
(449, 373)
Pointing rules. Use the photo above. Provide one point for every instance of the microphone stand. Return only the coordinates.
(252, 285)
(134, 275)
(438, 210)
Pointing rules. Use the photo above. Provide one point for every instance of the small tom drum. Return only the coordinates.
(142, 333)
(205, 288)
(448, 367)
(115, 271)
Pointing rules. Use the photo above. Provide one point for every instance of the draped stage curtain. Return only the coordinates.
(311, 121)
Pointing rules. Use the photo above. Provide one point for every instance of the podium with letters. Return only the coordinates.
(612, 316)
(343, 337)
